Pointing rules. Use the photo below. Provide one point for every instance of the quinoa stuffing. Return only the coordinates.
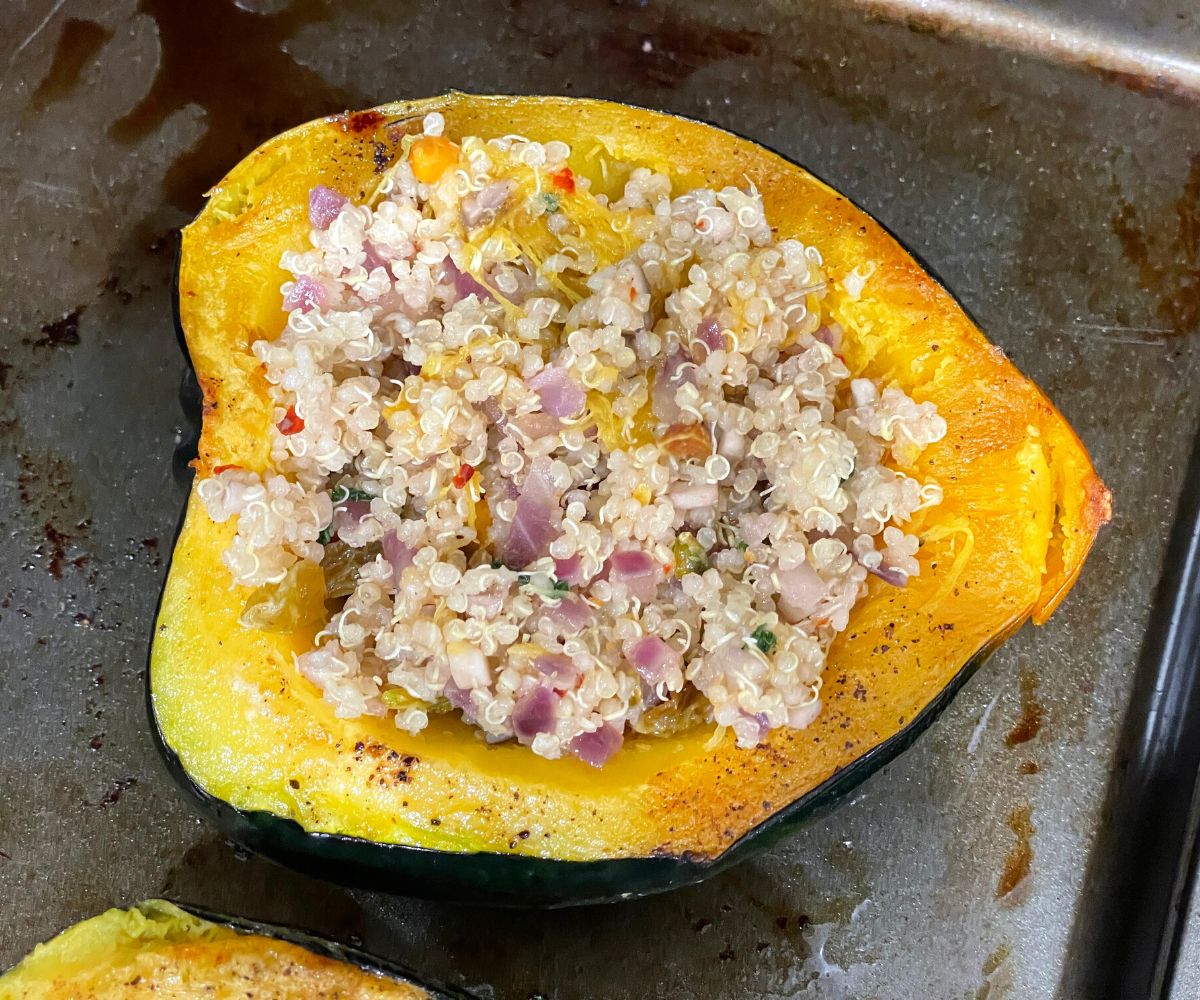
(570, 467)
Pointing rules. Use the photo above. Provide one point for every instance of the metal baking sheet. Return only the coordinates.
(1060, 201)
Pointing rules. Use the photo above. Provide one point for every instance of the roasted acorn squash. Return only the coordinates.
(442, 812)
(159, 949)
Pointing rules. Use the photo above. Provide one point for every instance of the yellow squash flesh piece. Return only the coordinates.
(158, 950)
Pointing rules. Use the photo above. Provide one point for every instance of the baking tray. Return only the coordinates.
(1057, 192)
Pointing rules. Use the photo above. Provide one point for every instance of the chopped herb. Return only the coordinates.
(522, 579)
(550, 201)
(690, 556)
(341, 493)
(764, 638)
(497, 564)
(326, 535)
(562, 586)
(741, 546)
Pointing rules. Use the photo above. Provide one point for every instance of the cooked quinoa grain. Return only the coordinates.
(568, 467)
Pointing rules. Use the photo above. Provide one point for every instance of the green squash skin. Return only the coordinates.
(495, 879)
(513, 880)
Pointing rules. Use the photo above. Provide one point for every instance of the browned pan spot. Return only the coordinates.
(992, 984)
(1020, 857)
(1030, 722)
(118, 788)
(46, 489)
(661, 47)
(77, 47)
(252, 62)
(1167, 264)
(61, 332)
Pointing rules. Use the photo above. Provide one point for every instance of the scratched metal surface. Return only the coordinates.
(1062, 206)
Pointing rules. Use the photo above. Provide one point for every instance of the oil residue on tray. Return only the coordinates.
(62, 332)
(77, 47)
(248, 93)
(663, 49)
(113, 795)
(1176, 284)
(1020, 858)
(1030, 722)
(991, 965)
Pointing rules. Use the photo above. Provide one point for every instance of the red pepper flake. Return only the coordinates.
(564, 180)
(463, 475)
(218, 469)
(291, 423)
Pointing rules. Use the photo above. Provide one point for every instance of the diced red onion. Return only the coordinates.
(709, 334)
(485, 605)
(460, 699)
(373, 258)
(824, 335)
(538, 425)
(484, 205)
(896, 577)
(650, 696)
(349, 514)
(305, 294)
(652, 657)
(675, 371)
(596, 748)
(534, 713)
(638, 571)
(324, 203)
(570, 570)
(398, 555)
(800, 591)
(561, 396)
(754, 528)
(631, 562)
(491, 409)
(465, 284)
(533, 525)
(568, 617)
(558, 669)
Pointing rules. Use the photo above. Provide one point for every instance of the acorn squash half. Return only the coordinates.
(442, 812)
(158, 949)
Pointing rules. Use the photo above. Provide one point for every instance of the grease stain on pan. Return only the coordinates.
(1173, 280)
(254, 62)
(1019, 860)
(1030, 722)
(76, 50)
(61, 332)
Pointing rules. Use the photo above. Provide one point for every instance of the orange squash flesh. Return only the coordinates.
(1022, 507)
(156, 949)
